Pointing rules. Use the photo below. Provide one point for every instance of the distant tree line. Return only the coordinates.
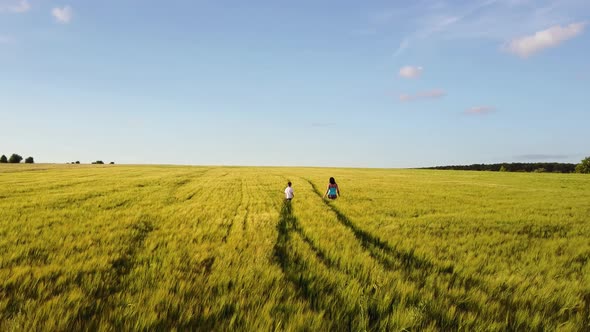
(582, 167)
(15, 159)
(513, 167)
(98, 162)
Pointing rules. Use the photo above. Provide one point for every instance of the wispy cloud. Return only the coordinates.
(424, 95)
(63, 15)
(437, 21)
(410, 71)
(402, 47)
(529, 45)
(480, 110)
(14, 6)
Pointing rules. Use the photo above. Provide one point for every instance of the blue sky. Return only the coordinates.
(321, 83)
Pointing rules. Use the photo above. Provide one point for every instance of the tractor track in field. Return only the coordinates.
(230, 225)
(245, 221)
(115, 279)
(308, 285)
(390, 257)
(187, 178)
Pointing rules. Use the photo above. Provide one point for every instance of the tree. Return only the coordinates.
(15, 159)
(584, 166)
(112, 162)
(98, 162)
(29, 160)
(3, 159)
(77, 162)
(503, 169)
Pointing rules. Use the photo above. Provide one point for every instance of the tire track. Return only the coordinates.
(115, 279)
(237, 210)
(187, 178)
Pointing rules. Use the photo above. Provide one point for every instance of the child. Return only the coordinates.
(289, 192)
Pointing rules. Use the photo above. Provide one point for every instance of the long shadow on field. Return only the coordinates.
(418, 269)
(381, 250)
(320, 293)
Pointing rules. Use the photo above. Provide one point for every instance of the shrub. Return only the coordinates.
(584, 166)
(540, 170)
(15, 159)
(112, 162)
(77, 162)
(503, 169)
(98, 162)
(3, 159)
(29, 160)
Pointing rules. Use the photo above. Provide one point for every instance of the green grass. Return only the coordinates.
(216, 248)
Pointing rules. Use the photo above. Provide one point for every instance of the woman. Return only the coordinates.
(332, 192)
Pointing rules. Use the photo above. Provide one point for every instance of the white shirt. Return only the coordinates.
(288, 193)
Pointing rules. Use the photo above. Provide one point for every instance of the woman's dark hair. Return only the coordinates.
(289, 183)
(332, 181)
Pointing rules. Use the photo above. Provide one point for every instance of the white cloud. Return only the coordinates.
(529, 45)
(424, 95)
(480, 110)
(410, 71)
(14, 6)
(63, 15)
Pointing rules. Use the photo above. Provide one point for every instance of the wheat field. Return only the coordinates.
(118, 247)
